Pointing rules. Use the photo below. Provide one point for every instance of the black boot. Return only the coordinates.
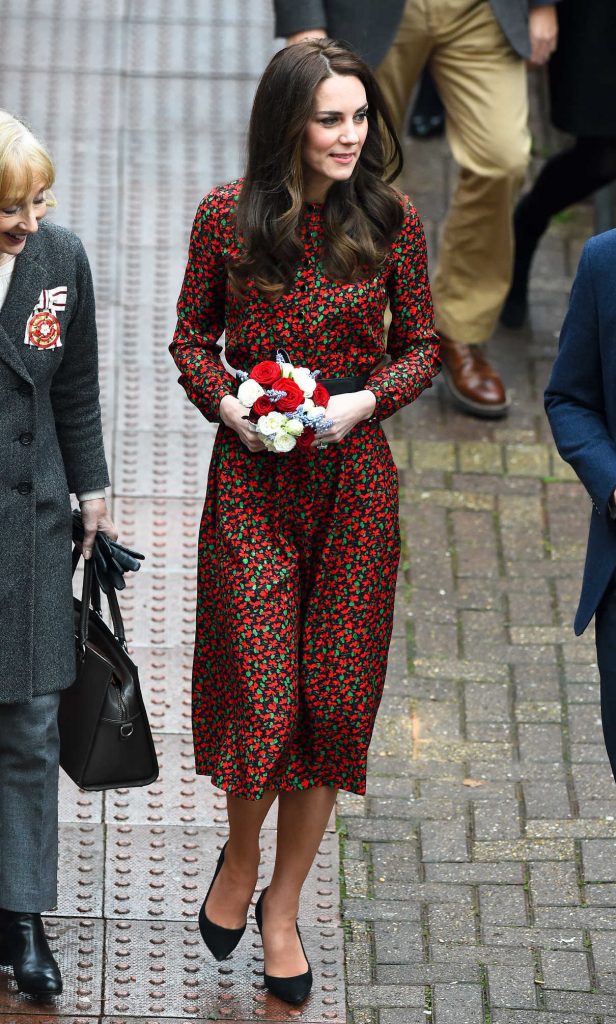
(527, 236)
(24, 947)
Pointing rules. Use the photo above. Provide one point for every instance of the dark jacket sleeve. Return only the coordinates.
(296, 15)
(75, 391)
(574, 397)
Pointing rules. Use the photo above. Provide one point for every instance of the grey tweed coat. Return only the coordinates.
(370, 25)
(50, 445)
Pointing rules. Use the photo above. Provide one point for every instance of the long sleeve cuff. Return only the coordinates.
(91, 495)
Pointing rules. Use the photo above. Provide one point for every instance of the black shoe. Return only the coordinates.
(220, 941)
(428, 114)
(290, 990)
(24, 947)
(422, 126)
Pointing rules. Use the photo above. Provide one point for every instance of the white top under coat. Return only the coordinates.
(6, 273)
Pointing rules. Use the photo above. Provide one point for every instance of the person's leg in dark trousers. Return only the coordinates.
(428, 114)
(566, 179)
(29, 760)
(605, 637)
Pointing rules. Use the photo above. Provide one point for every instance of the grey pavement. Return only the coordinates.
(478, 875)
(476, 883)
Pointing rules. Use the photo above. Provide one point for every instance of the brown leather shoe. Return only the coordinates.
(473, 384)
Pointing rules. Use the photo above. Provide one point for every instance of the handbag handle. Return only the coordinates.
(116, 616)
(90, 595)
(95, 599)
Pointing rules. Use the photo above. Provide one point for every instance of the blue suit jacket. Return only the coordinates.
(580, 401)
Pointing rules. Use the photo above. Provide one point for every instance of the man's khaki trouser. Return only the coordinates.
(482, 83)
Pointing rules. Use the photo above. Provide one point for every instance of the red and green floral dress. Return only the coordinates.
(298, 552)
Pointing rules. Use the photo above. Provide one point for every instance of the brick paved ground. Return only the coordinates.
(479, 872)
(479, 884)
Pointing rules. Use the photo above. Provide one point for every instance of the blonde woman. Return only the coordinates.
(50, 445)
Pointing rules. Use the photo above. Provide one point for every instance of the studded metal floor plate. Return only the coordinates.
(159, 967)
(144, 106)
(163, 872)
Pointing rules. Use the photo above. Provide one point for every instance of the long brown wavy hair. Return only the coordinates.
(362, 215)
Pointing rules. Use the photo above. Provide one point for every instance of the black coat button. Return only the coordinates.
(24, 488)
(26, 438)
(25, 390)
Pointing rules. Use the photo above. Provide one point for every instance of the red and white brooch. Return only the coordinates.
(43, 326)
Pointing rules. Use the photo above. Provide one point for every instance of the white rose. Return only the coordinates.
(283, 442)
(316, 412)
(248, 392)
(308, 405)
(294, 428)
(307, 383)
(270, 424)
(286, 369)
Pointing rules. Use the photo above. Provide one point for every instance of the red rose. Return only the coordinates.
(262, 406)
(320, 396)
(293, 395)
(266, 373)
(305, 439)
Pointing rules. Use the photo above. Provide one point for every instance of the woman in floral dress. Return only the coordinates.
(298, 552)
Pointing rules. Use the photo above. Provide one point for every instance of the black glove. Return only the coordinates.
(111, 560)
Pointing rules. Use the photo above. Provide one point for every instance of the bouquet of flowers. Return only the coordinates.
(287, 404)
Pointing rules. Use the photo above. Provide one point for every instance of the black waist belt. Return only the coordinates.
(343, 385)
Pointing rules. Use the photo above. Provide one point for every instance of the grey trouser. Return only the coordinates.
(29, 753)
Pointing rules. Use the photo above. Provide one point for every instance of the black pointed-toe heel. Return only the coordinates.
(220, 941)
(290, 990)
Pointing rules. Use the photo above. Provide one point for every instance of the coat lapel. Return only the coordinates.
(26, 286)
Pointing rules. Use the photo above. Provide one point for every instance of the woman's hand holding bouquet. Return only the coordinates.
(278, 407)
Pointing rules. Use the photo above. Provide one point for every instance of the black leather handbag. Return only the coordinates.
(105, 737)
